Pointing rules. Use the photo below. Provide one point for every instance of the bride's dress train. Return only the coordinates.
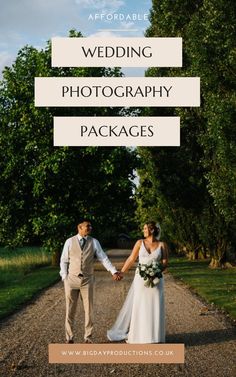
(142, 317)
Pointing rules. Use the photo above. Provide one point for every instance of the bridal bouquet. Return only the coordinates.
(151, 273)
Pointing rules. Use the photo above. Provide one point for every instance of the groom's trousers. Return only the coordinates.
(72, 295)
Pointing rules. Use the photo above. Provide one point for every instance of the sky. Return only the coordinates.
(33, 22)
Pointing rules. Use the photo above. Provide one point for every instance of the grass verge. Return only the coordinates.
(18, 292)
(217, 286)
(23, 273)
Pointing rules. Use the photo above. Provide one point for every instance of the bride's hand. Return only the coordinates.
(117, 276)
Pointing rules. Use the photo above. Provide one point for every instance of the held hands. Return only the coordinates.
(117, 276)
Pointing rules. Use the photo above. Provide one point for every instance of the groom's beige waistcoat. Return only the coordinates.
(81, 261)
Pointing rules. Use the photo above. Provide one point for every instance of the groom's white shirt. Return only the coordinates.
(99, 253)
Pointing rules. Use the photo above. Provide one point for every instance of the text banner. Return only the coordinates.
(116, 131)
(116, 353)
(116, 52)
(117, 92)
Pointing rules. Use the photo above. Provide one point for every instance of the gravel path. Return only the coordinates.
(210, 340)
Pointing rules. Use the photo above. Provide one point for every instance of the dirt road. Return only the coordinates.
(210, 340)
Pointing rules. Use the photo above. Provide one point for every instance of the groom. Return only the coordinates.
(77, 272)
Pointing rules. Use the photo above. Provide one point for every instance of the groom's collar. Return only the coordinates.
(80, 237)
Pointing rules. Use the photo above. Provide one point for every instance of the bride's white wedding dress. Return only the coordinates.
(142, 317)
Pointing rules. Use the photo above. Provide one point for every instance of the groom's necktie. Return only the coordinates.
(82, 242)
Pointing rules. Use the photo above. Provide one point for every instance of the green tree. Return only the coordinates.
(192, 188)
(214, 60)
(44, 189)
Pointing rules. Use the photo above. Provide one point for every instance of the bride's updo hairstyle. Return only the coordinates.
(154, 228)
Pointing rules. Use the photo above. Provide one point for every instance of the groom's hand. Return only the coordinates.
(120, 275)
(117, 276)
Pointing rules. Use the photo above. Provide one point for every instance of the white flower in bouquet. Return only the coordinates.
(151, 273)
(156, 281)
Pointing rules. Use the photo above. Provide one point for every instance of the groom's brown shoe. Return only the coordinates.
(69, 341)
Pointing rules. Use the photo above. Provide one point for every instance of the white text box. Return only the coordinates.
(116, 131)
(117, 92)
(116, 52)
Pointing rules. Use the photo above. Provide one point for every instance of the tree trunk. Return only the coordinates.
(203, 253)
(219, 262)
(56, 258)
(215, 263)
(219, 256)
(193, 255)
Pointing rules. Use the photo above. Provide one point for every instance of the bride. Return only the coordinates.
(142, 317)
